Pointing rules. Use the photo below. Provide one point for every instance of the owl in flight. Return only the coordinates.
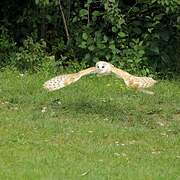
(103, 68)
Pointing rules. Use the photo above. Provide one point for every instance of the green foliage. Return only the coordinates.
(138, 39)
(31, 56)
(170, 6)
(111, 44)
(42, 2)
(134, 58)
(138, 36)
(7, 47)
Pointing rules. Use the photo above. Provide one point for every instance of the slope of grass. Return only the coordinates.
(93, 129)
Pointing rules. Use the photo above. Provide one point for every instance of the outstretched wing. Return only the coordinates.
(138, 83)
(61, 81)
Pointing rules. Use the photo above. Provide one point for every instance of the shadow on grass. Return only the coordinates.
(107, 110)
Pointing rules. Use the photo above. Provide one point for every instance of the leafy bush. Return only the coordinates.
(32, 56)
(143, 38)
(138, 36)
(110, 39)
(7, 47)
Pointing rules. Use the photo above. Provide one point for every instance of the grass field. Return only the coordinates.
(95, 129)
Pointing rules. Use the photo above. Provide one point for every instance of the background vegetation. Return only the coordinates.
(141, 36)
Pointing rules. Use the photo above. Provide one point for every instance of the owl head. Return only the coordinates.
(103, 67)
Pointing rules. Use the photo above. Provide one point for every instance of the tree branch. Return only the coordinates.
(64, 20)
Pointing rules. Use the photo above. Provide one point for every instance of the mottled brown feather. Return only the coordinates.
(135, 82)
(61, 81)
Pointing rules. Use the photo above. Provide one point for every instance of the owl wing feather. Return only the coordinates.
(135, 82)
(61, 81)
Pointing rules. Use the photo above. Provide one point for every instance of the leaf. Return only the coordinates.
(105, 38)
(114, 29)
(121, 34)
(83, 12)
(83, 44)
(108, 57)
(87, 56)
(75, 19)
(91, 48)
(101, 46)
(150, 30)
(89, 1)
(96, 13)
(85, 36)
(135, 9)
(141, 52)
(112, 46)
(156, 35)
(95, 59)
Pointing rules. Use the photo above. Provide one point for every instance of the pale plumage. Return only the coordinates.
(61, 81)
(102, 67)
(138, 83)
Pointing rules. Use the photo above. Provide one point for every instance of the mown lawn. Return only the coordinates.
(95, 129)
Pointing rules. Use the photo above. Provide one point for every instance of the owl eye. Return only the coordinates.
(102, 66)
(97, 66)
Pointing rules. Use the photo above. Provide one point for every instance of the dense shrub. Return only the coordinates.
(7, 48)
(31, 55)
(139, 36)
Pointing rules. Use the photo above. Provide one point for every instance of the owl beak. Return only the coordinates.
(98, 71)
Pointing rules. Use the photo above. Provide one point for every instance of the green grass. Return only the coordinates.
(95, 129)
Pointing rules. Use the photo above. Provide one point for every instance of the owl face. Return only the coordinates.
(103, 67)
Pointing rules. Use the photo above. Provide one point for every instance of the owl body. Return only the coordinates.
(101, 68)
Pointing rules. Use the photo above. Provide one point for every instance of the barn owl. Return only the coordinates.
(103, 68)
